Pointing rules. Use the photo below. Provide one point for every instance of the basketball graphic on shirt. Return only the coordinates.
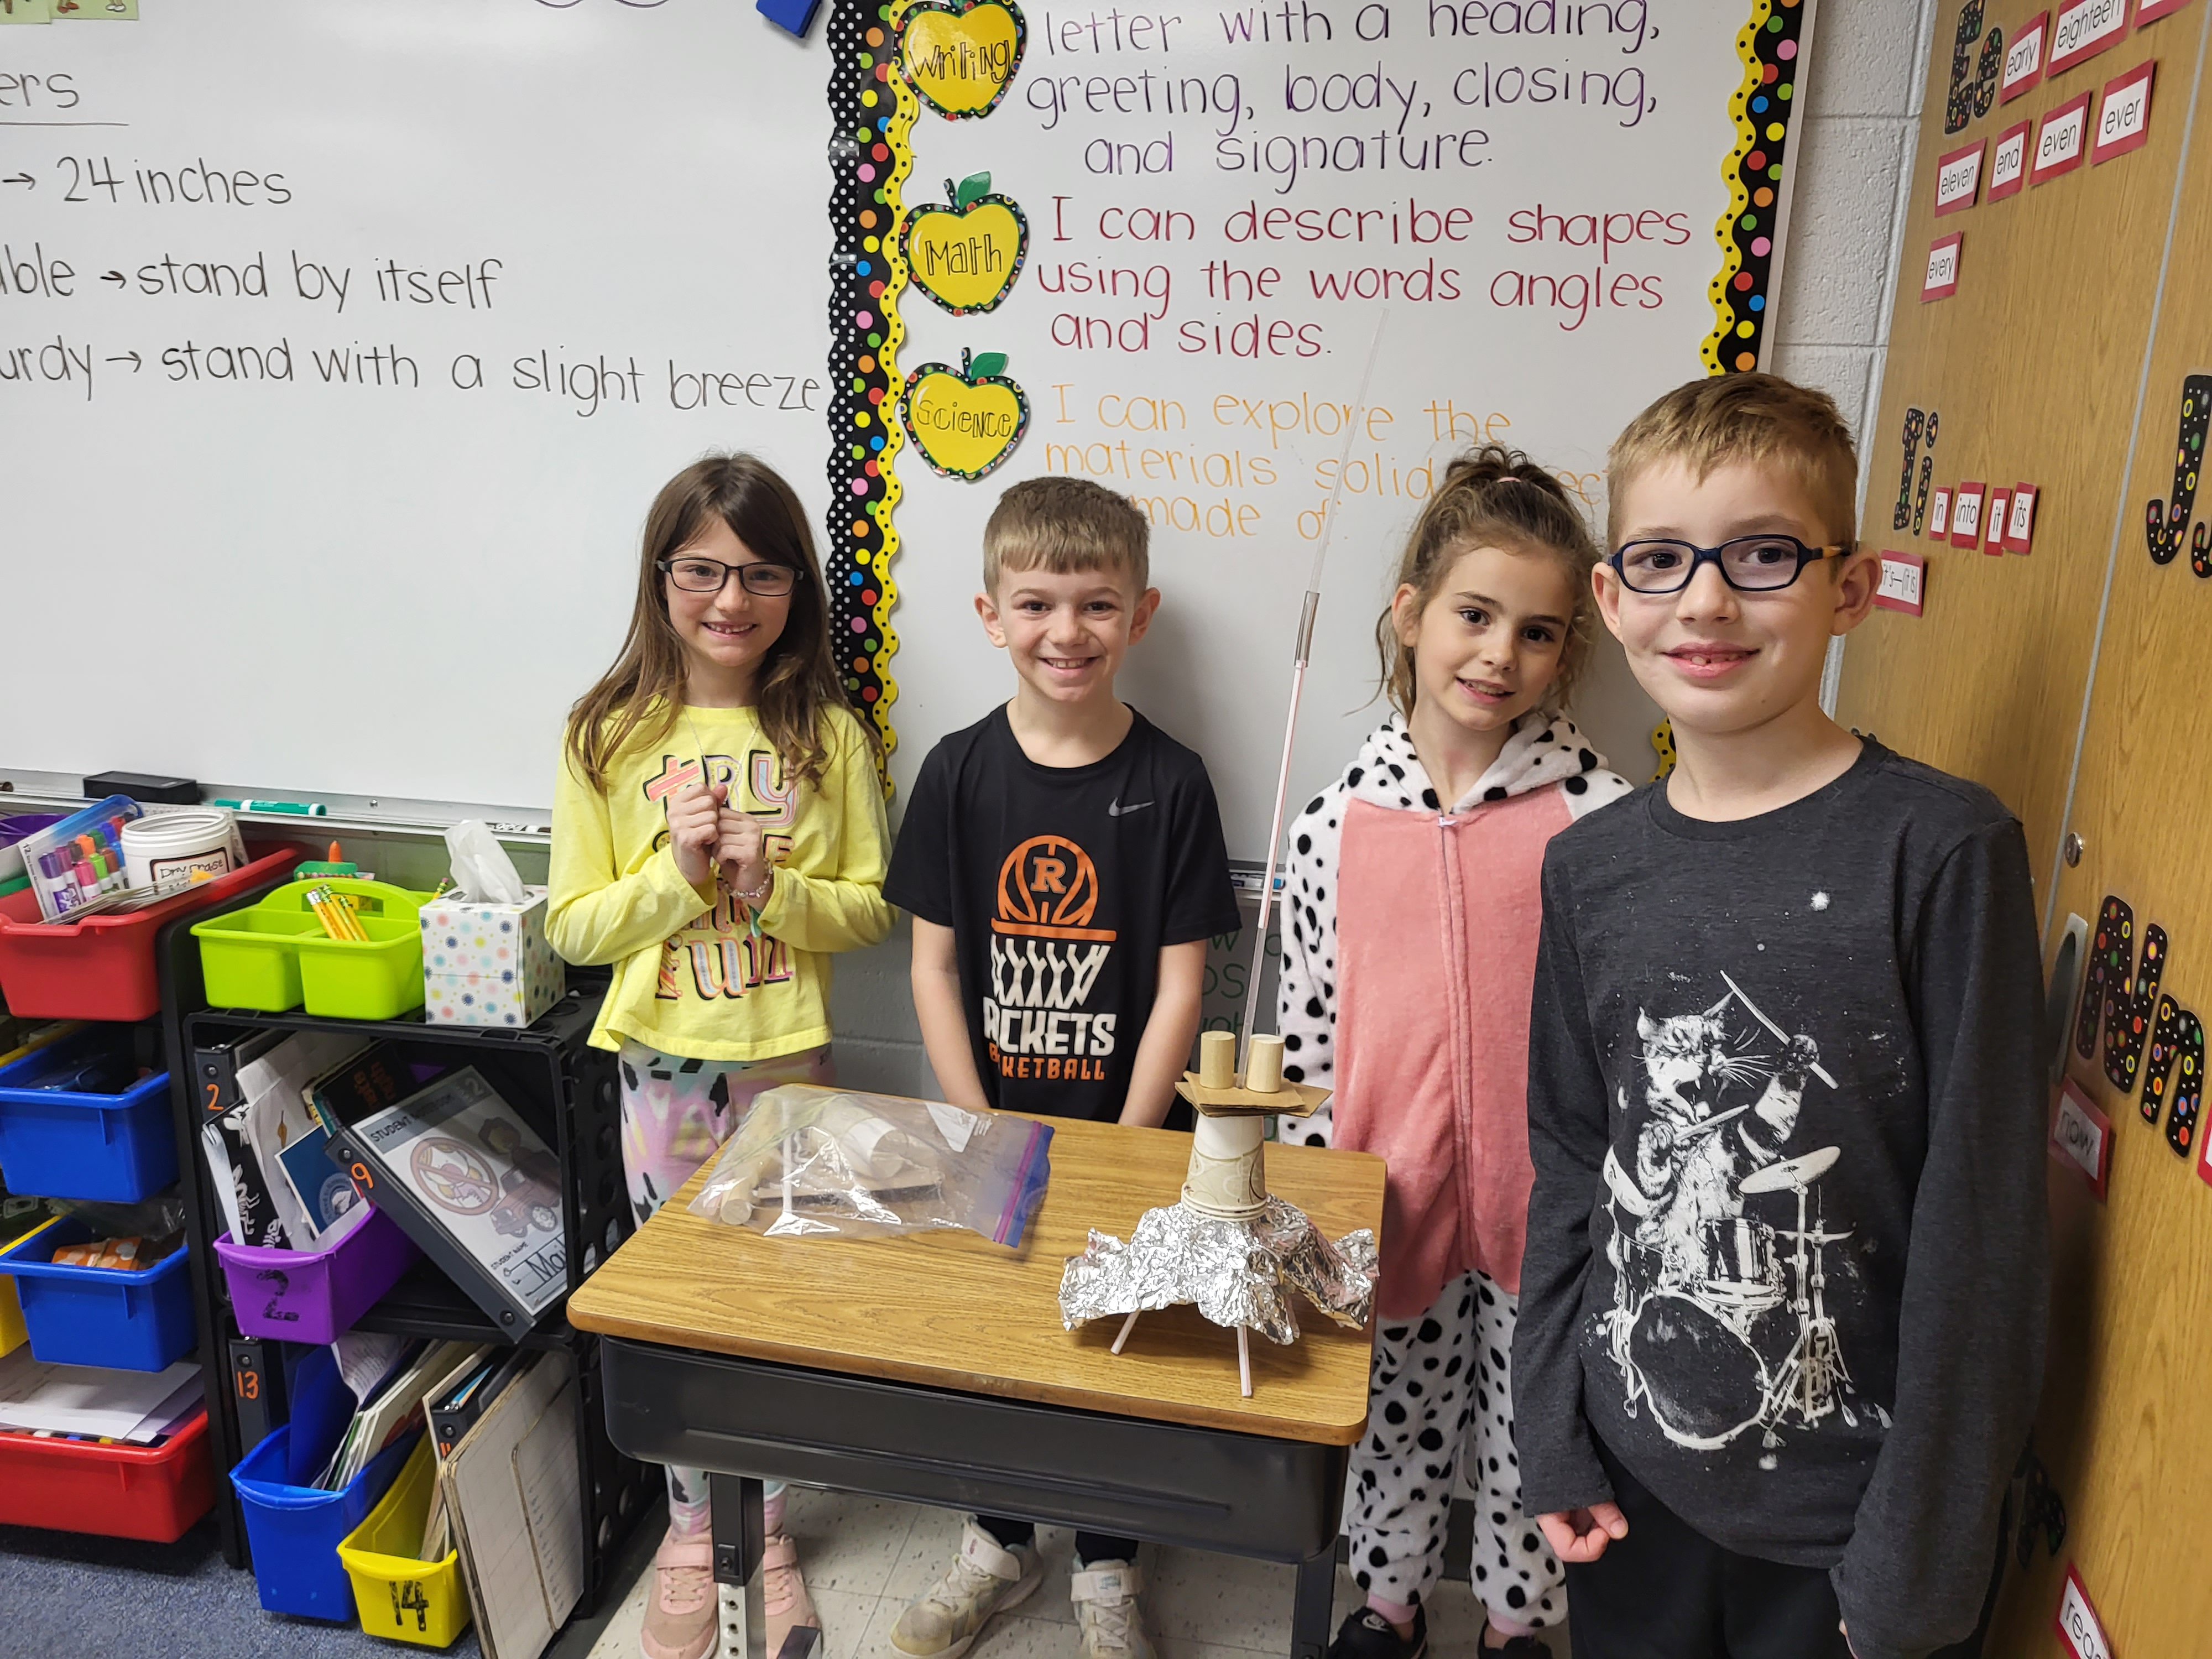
(1048, 889)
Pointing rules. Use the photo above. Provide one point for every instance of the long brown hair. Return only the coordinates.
(799, 682)
(1492, 496)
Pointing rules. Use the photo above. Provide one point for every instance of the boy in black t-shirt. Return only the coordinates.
(1784, 1303)
(1063, 861)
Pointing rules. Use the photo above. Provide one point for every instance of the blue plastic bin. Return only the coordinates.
(294, 1529)
(131, 1321)
(61, 1142)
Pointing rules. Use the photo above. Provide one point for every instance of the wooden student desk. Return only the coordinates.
(933, 1369)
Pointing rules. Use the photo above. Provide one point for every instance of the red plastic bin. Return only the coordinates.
(149, 1492)
(103, 967)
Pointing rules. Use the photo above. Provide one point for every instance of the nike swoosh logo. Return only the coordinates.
(1115, 809)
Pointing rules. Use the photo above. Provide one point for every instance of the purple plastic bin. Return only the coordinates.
(315, 1296)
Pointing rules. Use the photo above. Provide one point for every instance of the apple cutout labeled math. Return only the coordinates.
(966, 420)
(960, 57)
(966, 256)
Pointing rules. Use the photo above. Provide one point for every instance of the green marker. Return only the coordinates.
(304, 809)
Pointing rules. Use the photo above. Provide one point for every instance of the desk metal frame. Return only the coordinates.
(1209, 1489)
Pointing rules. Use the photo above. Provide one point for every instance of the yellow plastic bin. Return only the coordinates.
(276, 957)
(13, 1332)
(398, 1597)
(11, 1319)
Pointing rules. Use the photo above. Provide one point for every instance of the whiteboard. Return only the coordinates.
(312, 584)
(337, 585)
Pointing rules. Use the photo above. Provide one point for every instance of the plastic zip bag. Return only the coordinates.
(810, 1161)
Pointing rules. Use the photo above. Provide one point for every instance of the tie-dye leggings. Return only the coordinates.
(675, 1113)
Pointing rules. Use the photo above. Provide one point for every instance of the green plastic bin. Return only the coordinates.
(276, 957)
(247, 961)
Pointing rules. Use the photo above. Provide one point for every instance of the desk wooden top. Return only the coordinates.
(951, 1310)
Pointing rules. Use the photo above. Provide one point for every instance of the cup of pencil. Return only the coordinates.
(336, 916)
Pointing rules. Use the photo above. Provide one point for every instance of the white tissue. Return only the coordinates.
(482, 869)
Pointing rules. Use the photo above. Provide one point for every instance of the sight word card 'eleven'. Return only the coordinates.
(1957, 177)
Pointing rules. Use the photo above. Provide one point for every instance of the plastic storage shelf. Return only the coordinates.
(570, 1093)
(130, 1320)
(81, 1143)
(149, 1492)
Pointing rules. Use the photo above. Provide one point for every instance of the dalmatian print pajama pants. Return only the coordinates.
(676, 1114)
(1441, 1401)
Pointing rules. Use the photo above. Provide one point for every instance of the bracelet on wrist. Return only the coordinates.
(754, 895)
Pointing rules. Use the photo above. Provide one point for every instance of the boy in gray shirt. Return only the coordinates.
(1784, 1306)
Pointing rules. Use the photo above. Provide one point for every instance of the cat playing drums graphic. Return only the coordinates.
(1720, 1318)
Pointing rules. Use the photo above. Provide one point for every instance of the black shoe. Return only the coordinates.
(1518, 1647)
(1367, 1634)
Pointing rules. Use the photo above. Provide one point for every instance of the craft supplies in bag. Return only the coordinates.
(810, 1160)
(13, 828)
(184, 841)
(79, 858)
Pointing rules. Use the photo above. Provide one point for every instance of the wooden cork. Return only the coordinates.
(1263, 1066)
(1216, 1059)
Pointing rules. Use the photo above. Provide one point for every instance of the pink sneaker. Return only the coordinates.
(683, 1609)
(783, 1592)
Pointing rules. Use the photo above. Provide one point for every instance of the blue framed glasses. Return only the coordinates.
(1750, 564)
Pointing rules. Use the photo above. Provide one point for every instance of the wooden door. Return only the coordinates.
(2084, 305)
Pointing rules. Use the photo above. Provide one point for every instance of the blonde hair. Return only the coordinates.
(1492, 497)
(1064, 526)
(798, 683)
(1760, 418)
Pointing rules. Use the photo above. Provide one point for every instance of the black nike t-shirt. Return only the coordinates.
(1062, 885)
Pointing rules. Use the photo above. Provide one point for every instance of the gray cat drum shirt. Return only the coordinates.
(1787, 1252)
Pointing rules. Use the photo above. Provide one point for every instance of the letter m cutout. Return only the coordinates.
(2121, 1002)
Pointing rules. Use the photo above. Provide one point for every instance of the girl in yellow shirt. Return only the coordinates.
(718, 830)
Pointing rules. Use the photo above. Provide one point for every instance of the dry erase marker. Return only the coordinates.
(313, 809)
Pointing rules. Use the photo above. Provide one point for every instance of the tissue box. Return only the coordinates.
(488, 964)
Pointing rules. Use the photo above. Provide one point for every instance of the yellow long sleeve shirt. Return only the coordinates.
(690, 977)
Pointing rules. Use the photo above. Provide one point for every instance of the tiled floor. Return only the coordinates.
(866, 1559)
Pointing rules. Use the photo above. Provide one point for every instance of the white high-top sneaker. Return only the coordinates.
(982, 1578)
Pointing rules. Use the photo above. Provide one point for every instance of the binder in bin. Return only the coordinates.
(293, 1527)
(399, 1596)
(132, 1320)
(89, 1142)
(443, 1137)
(315, 1296)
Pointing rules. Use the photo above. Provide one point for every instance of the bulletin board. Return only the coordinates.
(344, 345)
(2059, 345)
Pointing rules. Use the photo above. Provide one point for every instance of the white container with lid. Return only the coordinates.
(164, 844)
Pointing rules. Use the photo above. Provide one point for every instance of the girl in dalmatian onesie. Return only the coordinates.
(1412, 910)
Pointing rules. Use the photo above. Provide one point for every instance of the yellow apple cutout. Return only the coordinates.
(966, 256)
(960, 55)
(966, 420)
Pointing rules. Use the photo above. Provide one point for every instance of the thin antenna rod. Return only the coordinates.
(1306, 615)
